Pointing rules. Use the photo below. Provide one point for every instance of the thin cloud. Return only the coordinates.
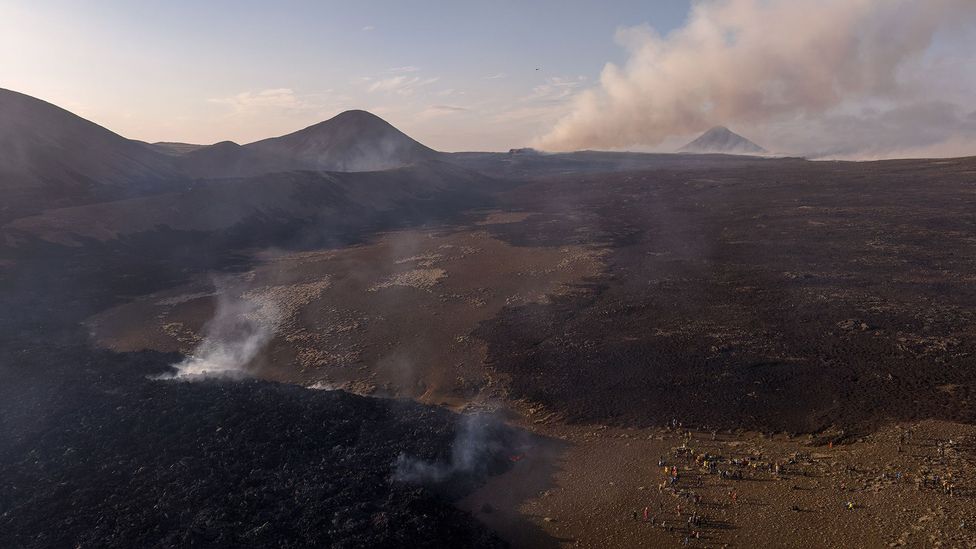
(400, 85)
(439, 111)
(274, 98)
(369, 28)
(556, 89)
(544, 113)
(256, 114)
(497, 76)
(404, 69)
(448, 108)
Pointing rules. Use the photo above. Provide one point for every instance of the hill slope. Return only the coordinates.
(228, 159)
(352, 141)
(722, 140)
(50, 157)
(257, 208)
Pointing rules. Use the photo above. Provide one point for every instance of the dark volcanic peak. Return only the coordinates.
(722, 140)
(351, 141)
(42, 145)
(228, 159)
(51, 158)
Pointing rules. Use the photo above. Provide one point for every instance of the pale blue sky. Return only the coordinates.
(822, 77)
(457, 75)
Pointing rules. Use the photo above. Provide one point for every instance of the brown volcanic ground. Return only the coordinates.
(777, 296)
(393, 317)
(789, 297)
(792, 298)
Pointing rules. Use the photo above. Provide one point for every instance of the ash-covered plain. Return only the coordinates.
(479, 349)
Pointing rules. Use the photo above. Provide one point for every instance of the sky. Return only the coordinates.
(827, 77)
(455, 75)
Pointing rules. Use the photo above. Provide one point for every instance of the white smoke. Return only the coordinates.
(473, 446)
(748, 63)
(239, 330)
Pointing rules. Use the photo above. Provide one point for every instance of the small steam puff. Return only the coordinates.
(472, 450)
(238, 331)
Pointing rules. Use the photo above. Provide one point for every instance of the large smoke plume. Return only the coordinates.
(755, 63)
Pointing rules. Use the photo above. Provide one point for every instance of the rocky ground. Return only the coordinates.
(794, 298)
(392, 317)
(103, 456)
(808, 326)
(738, 489)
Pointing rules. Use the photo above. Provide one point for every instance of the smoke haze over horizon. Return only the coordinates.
(826, 78)
(858, 79)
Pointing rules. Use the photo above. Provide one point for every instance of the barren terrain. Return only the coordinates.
(809, 314)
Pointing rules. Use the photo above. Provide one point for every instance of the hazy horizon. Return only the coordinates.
(862, 79)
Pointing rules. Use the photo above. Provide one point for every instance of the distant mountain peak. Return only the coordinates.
(357, 113)
(721, 130)
(354, 117)
(720, 139)
(353, 140)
